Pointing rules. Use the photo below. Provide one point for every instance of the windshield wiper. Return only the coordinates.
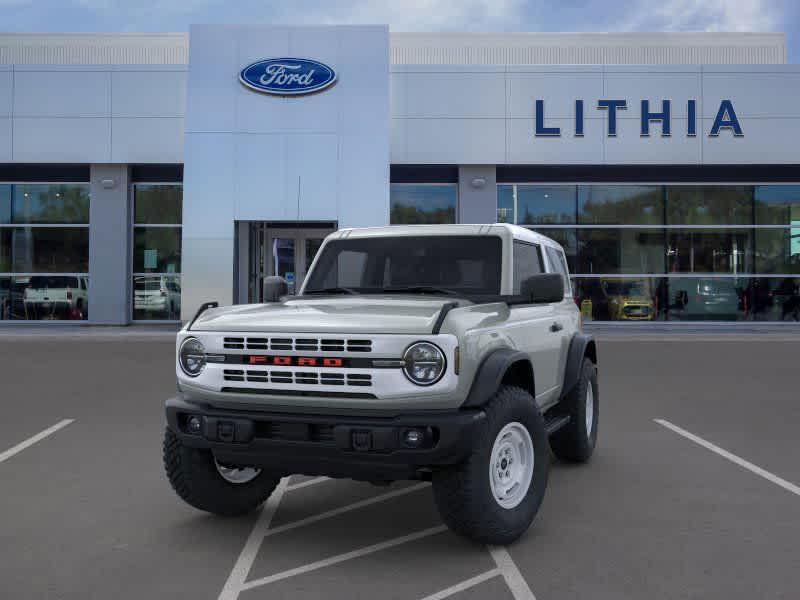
(331, 290)
(420, 289)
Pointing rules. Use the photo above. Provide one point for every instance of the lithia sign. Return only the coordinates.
(726, 119)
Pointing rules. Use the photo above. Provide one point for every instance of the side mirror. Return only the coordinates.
(543, 288)
(274, 288)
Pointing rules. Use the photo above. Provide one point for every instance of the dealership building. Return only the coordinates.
(144, 174)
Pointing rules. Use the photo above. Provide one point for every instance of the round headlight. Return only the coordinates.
(192, 357)
(424, 363)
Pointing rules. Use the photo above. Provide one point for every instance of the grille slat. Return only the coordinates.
(297, 377)
(297, 344)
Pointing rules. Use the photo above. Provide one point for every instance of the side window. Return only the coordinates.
(559, 264)
(527, 262)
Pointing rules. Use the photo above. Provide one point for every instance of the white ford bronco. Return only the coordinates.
(447, 353)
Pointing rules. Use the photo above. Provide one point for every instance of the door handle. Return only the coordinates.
(556, 327)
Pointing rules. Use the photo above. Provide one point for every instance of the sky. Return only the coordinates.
(413, 15)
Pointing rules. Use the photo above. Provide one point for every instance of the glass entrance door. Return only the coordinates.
(284, 251)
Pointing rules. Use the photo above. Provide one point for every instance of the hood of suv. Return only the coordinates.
(339, 314)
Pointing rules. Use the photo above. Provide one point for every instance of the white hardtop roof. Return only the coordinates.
(498, 229)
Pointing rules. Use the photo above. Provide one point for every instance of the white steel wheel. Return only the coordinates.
(237, 475)
(511, 465)
(589, 409)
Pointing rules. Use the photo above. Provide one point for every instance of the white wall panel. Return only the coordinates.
(5, 139)
(455, 95)
(765, 141)
(79, 140)
(524, 147)
(363, 192)
(209, 177)
(210, 89)
(62, 93)
(634, 87)
(455, 141)
(558, 90)
(6, 87)
(262, 197)
(147, 140)
(629, 148)
(312, 162)
(148, 93)
(753, 94)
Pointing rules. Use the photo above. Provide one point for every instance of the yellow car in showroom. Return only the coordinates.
(628, 299)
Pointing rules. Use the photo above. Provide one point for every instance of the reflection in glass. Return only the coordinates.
(283, 260)
(545, 204)
(778, 250)
(25, 203)
(44, 297)
(156, 297)
(777, 205)
(158, 204)
(157, 249)
(568, 239)
(621, 298)
(44, 249)
(505, 204)
(620, 204)
(707, 299)
(620, 251)
(774, 299)
(709, 205)
(422, 203)
(710, 251)
(312, 247)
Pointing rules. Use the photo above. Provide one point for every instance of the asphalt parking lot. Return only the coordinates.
(692, 492)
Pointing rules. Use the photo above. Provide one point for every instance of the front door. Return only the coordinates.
(285, 251)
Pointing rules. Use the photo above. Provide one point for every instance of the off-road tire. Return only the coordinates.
(194, 477)
(463, 492)
(572, 443)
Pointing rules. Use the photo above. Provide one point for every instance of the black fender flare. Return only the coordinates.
(580, 346)
(490, 374)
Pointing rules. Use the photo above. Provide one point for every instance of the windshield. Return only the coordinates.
(468, 265)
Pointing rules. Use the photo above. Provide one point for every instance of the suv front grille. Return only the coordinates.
(297, 344)
(297, 377)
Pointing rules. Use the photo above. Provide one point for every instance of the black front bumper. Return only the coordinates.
(359, 447)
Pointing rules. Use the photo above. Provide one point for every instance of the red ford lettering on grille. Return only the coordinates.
(294, 361)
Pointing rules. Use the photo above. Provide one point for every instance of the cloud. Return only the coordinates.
(705, 15)
(415, 15)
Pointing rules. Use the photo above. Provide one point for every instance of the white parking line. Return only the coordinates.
(464, 585)
(790, 487)
(33, 439)
(344, 509)
(333, 560)
(306, 483)
(514, 580)
(241, 569)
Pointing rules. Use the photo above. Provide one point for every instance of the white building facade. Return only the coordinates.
(141, 175)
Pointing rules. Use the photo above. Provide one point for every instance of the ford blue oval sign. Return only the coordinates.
(287, 76)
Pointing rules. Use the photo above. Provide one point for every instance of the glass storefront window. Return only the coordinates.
(157, 250)
(44, 204)
(158, 204)
(709, 205)
(774, 299)
(156, 297)
(708, 299)
(620, 204)
(620, 251)
(157, 213)
(568, 238)
(778, 205)
(621, 298)
(778, 250)
(421, 203)
(545, 204)
(710, 251)
(44, 249)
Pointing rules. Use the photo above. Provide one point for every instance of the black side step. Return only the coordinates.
(555, 423)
